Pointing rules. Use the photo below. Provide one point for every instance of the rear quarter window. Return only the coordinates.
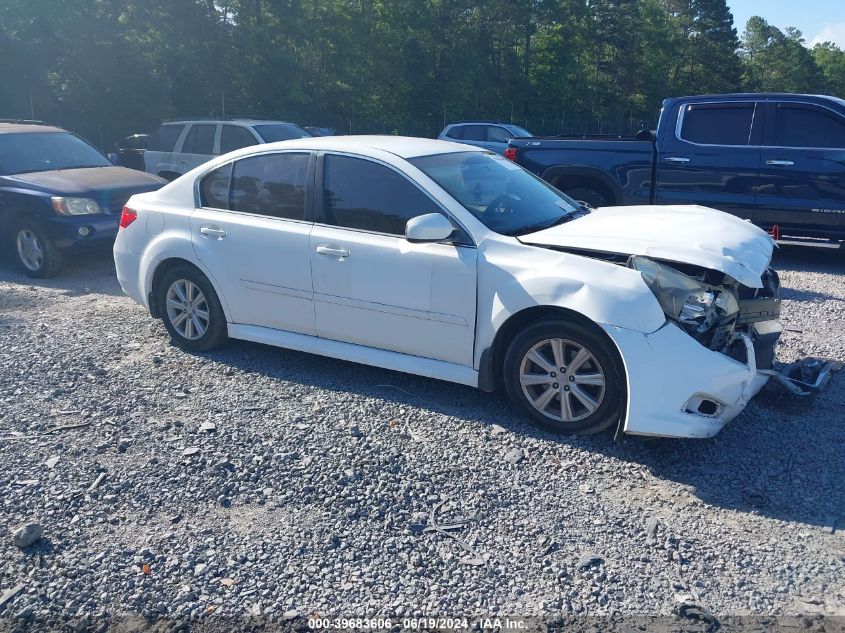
(797, 126)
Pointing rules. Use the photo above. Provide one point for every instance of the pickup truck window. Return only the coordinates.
(505, 197)
(717, 124)
(803, 126)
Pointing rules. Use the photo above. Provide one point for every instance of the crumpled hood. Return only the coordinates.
(88, 180)
(680, 233)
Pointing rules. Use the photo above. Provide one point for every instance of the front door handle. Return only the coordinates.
(213, 231)
(676, 159)
(780, 163)
(330, 251)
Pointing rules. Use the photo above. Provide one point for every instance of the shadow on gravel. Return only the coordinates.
(93, 271)
(782, 458)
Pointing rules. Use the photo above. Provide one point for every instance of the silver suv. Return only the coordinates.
(178, 146)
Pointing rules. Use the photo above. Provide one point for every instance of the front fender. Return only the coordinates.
(599, 291)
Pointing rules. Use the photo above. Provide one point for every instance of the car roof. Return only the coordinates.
(402, 146)
(25, 128)
(245, 120)
(482, 122)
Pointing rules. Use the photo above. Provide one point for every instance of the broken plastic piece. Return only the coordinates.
(806, 376)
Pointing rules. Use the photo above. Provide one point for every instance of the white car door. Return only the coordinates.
(251, 231)
(373, 287)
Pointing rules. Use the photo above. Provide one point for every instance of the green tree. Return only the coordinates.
(778, 62)
(707, 60)
(831, 62)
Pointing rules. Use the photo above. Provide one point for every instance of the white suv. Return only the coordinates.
(177, 146)
(452, 262)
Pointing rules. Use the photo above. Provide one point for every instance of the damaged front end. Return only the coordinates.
(716, 310)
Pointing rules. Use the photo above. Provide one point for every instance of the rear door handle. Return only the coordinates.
(330, 251)
(781, 163)
(213, 231)
(676, 159)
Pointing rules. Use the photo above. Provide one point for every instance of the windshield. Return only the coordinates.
(500, 193)
(46, 151)
(273, 132)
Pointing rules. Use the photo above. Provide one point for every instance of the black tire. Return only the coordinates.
(216, 330)
(50, 260)
(593, 197)
(609, 398)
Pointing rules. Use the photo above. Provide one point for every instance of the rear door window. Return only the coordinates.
(806, 126)
(718, 124)
(475, 133)
(165, 137)
(200, 140)
(235, 137)
(456, 132)
(271, 184)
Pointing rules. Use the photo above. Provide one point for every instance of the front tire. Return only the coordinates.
(191, 310)
(565, 377)
(35, 254)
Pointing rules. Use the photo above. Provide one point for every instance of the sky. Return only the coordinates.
(819, 20)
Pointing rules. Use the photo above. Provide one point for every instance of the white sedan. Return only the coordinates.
(452, 262)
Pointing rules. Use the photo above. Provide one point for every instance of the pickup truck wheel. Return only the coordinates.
(565, 377)
(591, 196)
(35, 254)
(190, 309)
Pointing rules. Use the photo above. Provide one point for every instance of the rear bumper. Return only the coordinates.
(128, 267)
(678, 388)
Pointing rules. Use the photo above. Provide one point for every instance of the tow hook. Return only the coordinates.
(805, 376)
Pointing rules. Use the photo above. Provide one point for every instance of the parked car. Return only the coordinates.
(320, 131)
(130, 151)
(774, 159)
(452, 262)
(487, 134)
(59, 195)
(178, 146)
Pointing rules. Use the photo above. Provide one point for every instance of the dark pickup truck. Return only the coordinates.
(775, 159)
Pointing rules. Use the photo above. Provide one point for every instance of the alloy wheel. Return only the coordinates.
(562, 379)
(187, 309)
(30, 251)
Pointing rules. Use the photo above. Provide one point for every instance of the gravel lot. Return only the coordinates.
(260, 482)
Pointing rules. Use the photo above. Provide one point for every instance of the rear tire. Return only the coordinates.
(190, 309)
(593, 197)
(565, 377)
(35, 254)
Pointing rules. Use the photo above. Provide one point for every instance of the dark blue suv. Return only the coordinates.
(59, 195)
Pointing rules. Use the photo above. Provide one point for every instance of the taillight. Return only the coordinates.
(127, 217)
(775, 232)
(510, 153)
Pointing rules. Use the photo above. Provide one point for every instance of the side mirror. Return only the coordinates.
(431, 227)
(112, 156)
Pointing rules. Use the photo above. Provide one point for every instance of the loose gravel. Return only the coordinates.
(255, 482)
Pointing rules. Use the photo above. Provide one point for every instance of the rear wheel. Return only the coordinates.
(35, 253)
(593, 197)
(191, 310)
(565, 377)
